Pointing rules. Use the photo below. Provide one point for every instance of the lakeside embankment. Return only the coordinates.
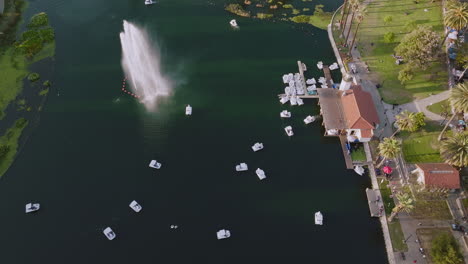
(19, 52)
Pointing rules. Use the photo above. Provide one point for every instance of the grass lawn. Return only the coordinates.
(426, 235)
(358, 154)
(434, 209)
(378, 53)
(10, 139)
(440, 107)
(422, 146)
(465, 203)
(396, 234)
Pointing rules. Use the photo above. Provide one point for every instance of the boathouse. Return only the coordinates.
(349, 113)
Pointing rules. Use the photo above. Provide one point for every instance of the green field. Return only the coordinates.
(433, 209)
(438, 108)
(422, 146)
(377, 53)
(358, 154)
(10, 139)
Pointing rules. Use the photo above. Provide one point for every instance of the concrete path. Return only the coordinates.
(422, 104)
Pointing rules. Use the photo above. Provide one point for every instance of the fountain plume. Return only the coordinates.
(141, 64)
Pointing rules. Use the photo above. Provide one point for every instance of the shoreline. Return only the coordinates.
(375, 185)
(23, 99)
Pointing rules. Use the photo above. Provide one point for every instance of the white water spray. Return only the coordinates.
(141, 64)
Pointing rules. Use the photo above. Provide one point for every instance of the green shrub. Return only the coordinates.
(39, 20)
(237, 9)
(388, 19)
(44, 92)
(263, 15)
(46, 83)
(405, 74)
(47, 34)
(318, 11)
(32, 77)
(300, 19)
(445, 250)
(288, 6)
(389, 37)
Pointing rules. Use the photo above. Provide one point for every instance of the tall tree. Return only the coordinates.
(459, 101)
(405, 203)
(343, 13)
(420, 47)
(409, 121)
(456, 15)
(348, 4)
(389, 148)
(359, 19)
(445, 250)
(454, 150)
(355, 8)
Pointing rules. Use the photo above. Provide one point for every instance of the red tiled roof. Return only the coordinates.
(359, 109)
(366, 133)
(440, 175)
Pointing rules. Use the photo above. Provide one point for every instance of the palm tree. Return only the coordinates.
(345, 5)
(405, 203)
(348, 5)
(355, 6)
(456, 16)
(389, 148)
(409, 121)
(359, 18)
(454, 150)
(459, 101)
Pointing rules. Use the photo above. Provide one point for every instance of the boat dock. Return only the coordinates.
(347, 157)
(375, 203)
(302, 68)
(327, 73)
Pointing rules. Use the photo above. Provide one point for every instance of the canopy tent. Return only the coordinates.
(387, 170)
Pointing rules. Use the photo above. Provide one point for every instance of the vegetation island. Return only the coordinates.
(19, 50)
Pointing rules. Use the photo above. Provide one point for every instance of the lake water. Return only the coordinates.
(87, 158)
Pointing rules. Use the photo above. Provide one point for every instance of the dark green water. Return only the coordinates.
(88, 156)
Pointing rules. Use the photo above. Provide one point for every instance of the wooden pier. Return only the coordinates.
(327, 73)
(347, 156)
(375, 203)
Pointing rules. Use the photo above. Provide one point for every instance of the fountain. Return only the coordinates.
(141, 64)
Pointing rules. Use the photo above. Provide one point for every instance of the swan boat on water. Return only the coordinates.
(285, 114)
(260, 173)
(309, 119)
(135, 206)
(318, 218)
(223, 233)
(149, 2)
(242, 167)
(289, 131)
(32, 207)
(233, 23)
(359, 169)
(109, 233)
(154, 164)
(188, 110)
(257, 146)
